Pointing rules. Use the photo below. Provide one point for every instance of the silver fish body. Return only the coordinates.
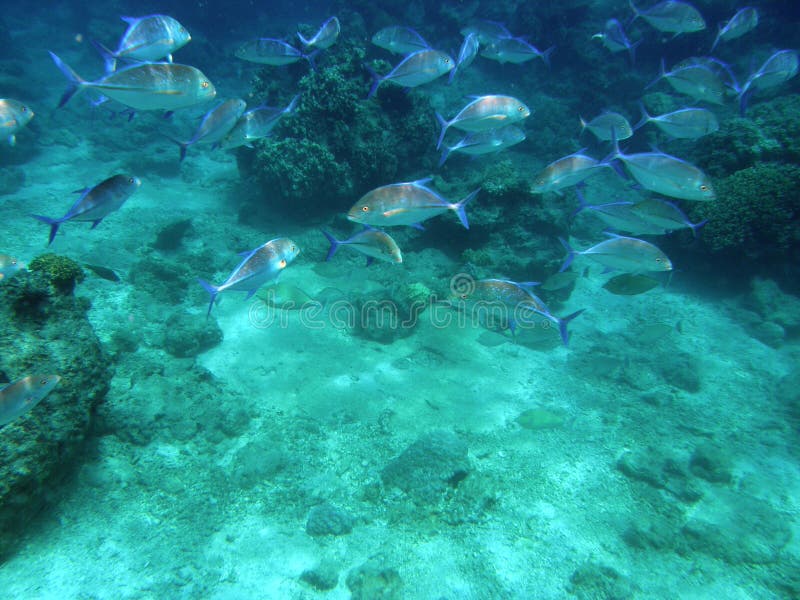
(258, 267)
(744, 21)
(686, 123)
(615, 39)
(14, 115)
(22, 395)
(486, 142)
(485, 113)
(671, 16)
(603, 125)
(269, 51)
(695, 80)
(400, 40)
(216, 124)
(9, 265)
(372, 243)
(515, 50)
(488, 32)
(256, 124)
(96, 203)
(466, 54)
(151, 38)
(621, 253)
(665, 216)
(565, 172)
(416, 69)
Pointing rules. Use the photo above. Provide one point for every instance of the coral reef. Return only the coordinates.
(62, 272)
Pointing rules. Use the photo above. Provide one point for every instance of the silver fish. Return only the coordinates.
(259, 266)
(22, 395)
(565, 172)
(620, 216)
(665, 215)
(9, 265)
(621, 253)
(325, 37)
(147, 39)
(776, 70)
(686, 123)
(745, 20)
(485, 142)
(671, 16)
(407, 203)
(269, 51)
(484, 113)
(516, 51)
(400, 40)
(615, 40)
(148, 86)
(507, 304)
(95, 203)
(415, 69)
(256, 124)
(487, 31)
(14, 115)
(695, 80)
(602, 126)
(466, 54)
(665, 174)
(373, 243)
(216, 124)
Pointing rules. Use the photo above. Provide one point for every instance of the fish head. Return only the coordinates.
(131, 183)
(179, 35)
(285, 251)
(519, 109)
(662, 262)
(38, 386)
(704, 188)
(444, 63)
(22, 114)
(362, 211)
(205, 89)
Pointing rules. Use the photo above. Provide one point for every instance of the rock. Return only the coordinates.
(189, 335)
(711, 463)
(373, 581)
(45, 330)
(592, 581)
(323, 577)
(327, 519)
(430, 466)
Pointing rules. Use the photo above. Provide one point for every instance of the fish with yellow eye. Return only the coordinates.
(259, 266)
(14, 115)
(19, 397)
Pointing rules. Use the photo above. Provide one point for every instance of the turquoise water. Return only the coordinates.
(348, 432)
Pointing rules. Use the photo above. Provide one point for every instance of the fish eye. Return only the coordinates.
(43, 381)
(521, 108)
(463, 296)
(131, 180)
(204, 85)
(658, 259)
(14, 262)
(282, 264)
(24, 109)
(365, 208)
(704, 187)
(447, 60)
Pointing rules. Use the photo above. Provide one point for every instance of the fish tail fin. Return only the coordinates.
(212, 290)
(582, 203)
(292, 105)
(570, 255)
(632, 51)
(108, 56)
(445, 154)
(310, 58)
(646, 118)
(636, 13)
(75, 81)
(54, 225)
(697, 226)
(461, 206)
(444, 125)
(334, 244)
(452, 75)
(716, 39)
(562, 325)
(303, 40)
(744, 96)
(184, 146)
(661, 74)
(376, 81)
(546, 55)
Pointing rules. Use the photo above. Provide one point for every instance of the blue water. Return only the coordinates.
(346, 431)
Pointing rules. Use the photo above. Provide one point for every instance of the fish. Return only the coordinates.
(287, 297)
(147, 86)
(695, 80)
(95, 203)
(147, 39)
(602, 125)
(466, 54)
(779, 68)
(559, 281)
(259, 266)
(269, 51)
(324, 38)
(615, 40)
(14, 115)
(216, 124)
(400, 40)
(487, 31)
(22, 395)
(9, 266)
(629, 284)
(507, 305)
(565, 172)
(621, 253)
(665, 174)
(484, 113)
(371, 242)
(407, 203)
(745, 20)
(671, 16)
(619, 215)
(103, 272)
(686, 123)
(485, 142)
(516, 51)
(256, 124)
(415, 69)
(666, 216)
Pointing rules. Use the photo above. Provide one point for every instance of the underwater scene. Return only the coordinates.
(400, 299)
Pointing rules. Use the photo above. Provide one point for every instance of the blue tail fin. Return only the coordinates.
(445, 154)
(546, 55)
(184, 146)
(334, 244)
(75, 81)
(459, 208)
(213, 291)
(376, 81)
(562, 325)
(570, 255)
(646, 117)
(444, 125)
(108, 56)
(54, 224)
